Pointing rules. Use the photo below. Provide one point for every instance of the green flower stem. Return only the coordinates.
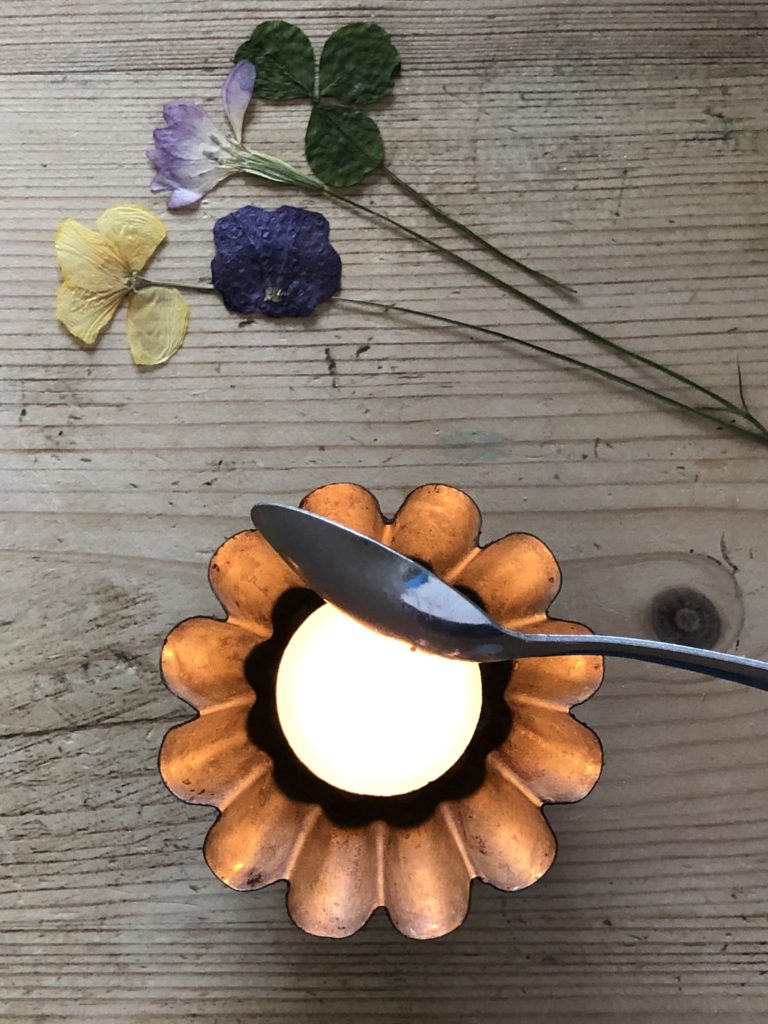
(560, 318)
(463, 229)
(711, 417)
(441, 214)
(137, 283)
(273, 169)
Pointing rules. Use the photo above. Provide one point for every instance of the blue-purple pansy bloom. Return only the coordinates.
(191, 155)
(275, 262)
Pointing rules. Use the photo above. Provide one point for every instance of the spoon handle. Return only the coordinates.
(715, 663)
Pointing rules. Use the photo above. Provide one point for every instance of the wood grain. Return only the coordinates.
(620, 147)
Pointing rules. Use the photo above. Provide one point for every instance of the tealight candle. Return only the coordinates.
(370, 714)
(378, 721)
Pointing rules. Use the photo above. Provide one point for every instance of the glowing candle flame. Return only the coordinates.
(370, 714)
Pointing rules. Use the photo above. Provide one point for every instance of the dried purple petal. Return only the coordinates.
(276, 262)
(236, 93)
(190, 154)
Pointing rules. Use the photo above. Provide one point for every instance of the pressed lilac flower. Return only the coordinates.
(191, 155)
(276, 262)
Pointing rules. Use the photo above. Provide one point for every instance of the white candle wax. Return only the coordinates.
(370, 714)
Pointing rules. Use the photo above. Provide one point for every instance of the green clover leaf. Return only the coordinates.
(358, 64)
(342, 145)
(284, 60)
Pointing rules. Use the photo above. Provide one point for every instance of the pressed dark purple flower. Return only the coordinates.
(276, 262)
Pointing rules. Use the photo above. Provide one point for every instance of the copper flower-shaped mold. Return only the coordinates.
(346, 855)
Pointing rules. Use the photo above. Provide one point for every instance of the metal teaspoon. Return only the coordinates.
(400, 598)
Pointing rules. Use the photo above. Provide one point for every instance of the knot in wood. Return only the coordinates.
(681, 615)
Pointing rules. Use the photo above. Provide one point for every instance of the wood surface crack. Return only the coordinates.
(330, 362)
(63, 730)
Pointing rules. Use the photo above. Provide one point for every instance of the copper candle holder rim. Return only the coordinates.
(388, 525)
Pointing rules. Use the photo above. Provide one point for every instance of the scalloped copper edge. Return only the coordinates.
(339, 875)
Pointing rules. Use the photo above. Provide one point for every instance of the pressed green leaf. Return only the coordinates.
(284, 60)
(358, 63)
(342, 145)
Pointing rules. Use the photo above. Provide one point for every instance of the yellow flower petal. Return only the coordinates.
(89, 261)
(84, 313)
(134, 232)
(156, 322)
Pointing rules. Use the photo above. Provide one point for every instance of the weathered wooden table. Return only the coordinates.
(620, 147)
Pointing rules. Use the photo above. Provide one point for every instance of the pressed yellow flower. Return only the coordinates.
(100, 268)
